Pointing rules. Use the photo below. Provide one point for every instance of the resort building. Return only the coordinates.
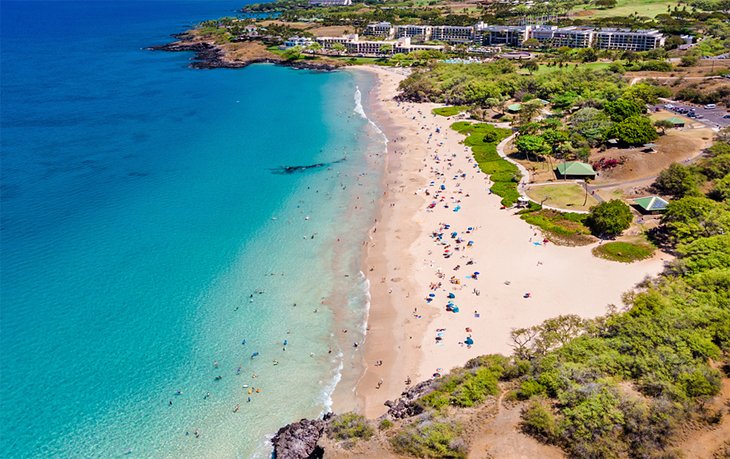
(501, 35)
(404, 45)
(379, 29)
(328, 42)
(484, 35)
(386, 47)
(416, 32)
(330, 2)
(630, 40)
(452, 34)
(572, 37)
(298, 41)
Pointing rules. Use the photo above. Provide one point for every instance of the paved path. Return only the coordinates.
(524, 180)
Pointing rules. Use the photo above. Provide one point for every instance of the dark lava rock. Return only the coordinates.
(299, 440)
(405, 406)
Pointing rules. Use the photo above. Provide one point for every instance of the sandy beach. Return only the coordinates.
(414, 274)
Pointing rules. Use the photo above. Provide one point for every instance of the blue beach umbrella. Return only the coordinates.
(451, 295)
(469, 341)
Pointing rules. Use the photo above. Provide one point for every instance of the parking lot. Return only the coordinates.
(717, 117)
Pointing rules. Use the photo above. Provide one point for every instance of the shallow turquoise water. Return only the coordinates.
(140, 220)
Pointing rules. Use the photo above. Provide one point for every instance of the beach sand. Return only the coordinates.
(403, 260)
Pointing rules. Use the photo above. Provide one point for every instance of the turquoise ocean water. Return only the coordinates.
(145, 235)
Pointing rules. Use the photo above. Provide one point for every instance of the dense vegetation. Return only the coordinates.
(483, 139)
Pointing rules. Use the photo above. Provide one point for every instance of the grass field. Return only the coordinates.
(624, 252)
(567, 196)
(449, 111)
(544, 69)
(647, 8)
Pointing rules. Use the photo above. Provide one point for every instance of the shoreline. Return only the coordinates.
(403, 262)
(211, 55)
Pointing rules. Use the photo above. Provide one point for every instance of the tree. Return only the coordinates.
(722, 188)
(673, 42)
(588, 55)
(663, 125)
(532, 145)
(529, 110)
(693, 217)
(385, 49)
(606, 4)
(636, 130)
(592, 124)
(531, 66)
(623, 108)
(339, 47)
(676, 180)
(314, 47)
(293, 53)
(609, 218)
(531, 43)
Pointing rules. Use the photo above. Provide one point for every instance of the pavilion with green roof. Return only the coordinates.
(575, 169)
(651, 204)
(514, 108)
(676, 121)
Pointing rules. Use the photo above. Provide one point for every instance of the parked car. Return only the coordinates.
(711, 106)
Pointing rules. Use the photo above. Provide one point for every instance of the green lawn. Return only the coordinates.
(483, 139)
(647, 8)
(625, 252)
(449, 111)
(563, 228)
(567, 196)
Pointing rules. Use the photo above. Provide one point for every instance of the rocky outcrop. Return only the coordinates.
(405, 406)
(299, 440)
(210, 55)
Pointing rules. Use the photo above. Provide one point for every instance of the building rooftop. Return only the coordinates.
(651, 203)
(575, 168)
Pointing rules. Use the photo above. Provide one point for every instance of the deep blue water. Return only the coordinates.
(144, 236)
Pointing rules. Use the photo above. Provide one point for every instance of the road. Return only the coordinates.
(710, 117)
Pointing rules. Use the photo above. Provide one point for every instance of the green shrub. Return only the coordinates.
(350, 426)
(430, 439)
(530, 388)
(385, 424)
(538, 420)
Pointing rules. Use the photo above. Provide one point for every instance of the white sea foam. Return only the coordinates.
(361, 111)
(330, 388)
(358, 103)
(366, 318)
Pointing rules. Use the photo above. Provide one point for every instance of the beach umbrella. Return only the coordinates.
(469, 341)
(451, 295)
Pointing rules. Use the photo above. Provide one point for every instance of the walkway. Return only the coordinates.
(524, 180)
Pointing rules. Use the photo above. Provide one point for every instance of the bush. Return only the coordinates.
(538, 420)
(349, 426)
(677, 180)
(385, 424)
(430, 439)
(609, 218)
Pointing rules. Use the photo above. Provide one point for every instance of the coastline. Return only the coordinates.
(402, 260)
(212, 55)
